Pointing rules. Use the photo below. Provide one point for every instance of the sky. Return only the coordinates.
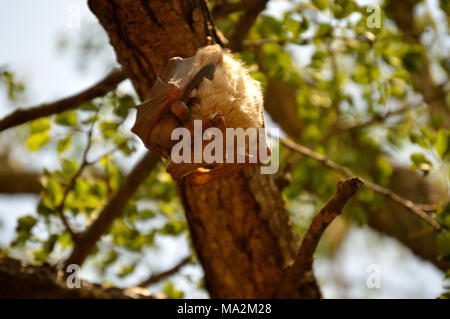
(29, 33)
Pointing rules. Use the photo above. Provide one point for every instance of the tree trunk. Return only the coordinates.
(239, 225)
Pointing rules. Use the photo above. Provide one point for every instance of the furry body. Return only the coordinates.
(232, 93)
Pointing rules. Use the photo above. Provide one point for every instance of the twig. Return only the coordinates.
(380, 118)
(106, 153)
(339, 127)
(84, 163)
(113, 209)
(413, 207)
(158, 277)
(21, 116)
(300, 272)
(208, 19)
(306, 40)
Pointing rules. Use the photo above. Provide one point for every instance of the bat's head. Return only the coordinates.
(166, 106)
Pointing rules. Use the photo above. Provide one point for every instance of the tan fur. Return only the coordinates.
(232, 92)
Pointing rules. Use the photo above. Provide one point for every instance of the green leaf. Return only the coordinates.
(25, 223)
(441, 145)
(98, 189)
(443, 243)
(64, 144)
(69, 166)
(421, 162)
(68, 118)
(89, 106)
(109, 128)
(342, 8)
(361, 76)
(320, 4)
(304, 25)
(126, 149)
(124, 271)
(65, 240)
(37, 140)
(419, 140)
(125, 103)
(324, 30)
(50, 243)
(173, 227)
(54, 191)
(292, 26)
(171, 292)
(146, 214)
(43, 208)
(110, 257)
(412, 60)
(40, 125)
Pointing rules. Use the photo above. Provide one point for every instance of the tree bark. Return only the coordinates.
(239, 225)
(20, 280)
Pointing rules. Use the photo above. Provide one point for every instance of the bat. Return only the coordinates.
(211, 86)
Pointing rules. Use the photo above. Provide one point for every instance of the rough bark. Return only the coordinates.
(239, 226)
(301, 270)
(21, 280)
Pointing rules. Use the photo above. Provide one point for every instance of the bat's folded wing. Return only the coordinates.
(152, 110)
(178, 79)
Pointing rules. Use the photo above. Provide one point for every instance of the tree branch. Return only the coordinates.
(299, 275)
(339, 127)
(408, 228)
(21, 280)
(84, 163)
(19, 182)
(413, 207)
(21, 116)
(222, 10)
(245, 23)
(112, 210)
(158, 277)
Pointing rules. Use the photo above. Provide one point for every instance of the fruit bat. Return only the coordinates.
(211, 86)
